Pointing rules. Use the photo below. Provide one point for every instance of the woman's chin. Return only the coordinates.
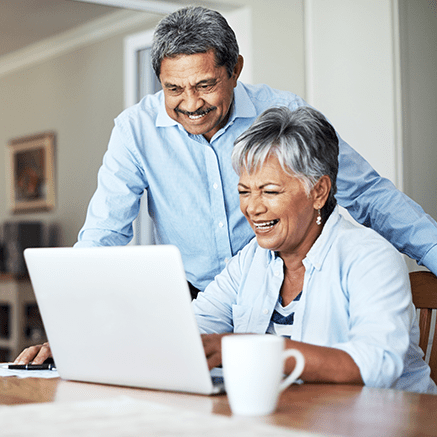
(266, 243)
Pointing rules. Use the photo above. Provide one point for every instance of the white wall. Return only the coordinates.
(351, 68)
(418, 24)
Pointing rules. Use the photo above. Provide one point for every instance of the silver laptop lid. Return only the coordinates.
(120, 315)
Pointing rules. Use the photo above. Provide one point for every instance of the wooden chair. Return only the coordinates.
(424, 290)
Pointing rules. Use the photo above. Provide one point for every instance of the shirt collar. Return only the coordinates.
(163, 119)
(241, 108)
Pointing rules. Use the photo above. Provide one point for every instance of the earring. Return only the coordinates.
(319, 218)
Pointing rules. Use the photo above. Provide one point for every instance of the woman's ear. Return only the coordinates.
(320, 192)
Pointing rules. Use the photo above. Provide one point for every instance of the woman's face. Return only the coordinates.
(278, 209)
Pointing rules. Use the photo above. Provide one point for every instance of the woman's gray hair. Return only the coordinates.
(304, 142)
(193, 30)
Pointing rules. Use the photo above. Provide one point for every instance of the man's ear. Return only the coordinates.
(237, 69)
(320, 192)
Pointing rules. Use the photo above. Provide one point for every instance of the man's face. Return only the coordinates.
(198, 94)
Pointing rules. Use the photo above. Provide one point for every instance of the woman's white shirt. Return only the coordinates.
(356, 297)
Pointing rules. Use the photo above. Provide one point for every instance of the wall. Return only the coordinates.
(278, 44)
(77, 95)
(418, 23)
(351, 71)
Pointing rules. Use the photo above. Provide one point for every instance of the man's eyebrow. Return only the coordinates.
(170, 85)
(210, 81)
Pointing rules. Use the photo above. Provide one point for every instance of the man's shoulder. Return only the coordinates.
(148, 107)
(264, 96)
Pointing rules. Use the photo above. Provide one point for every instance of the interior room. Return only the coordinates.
(68, 68)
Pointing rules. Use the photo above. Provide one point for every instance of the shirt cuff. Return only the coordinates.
(430, 260)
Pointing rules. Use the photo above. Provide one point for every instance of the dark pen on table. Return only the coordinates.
(44, 366)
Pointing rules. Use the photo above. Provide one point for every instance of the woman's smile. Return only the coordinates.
(265, 225)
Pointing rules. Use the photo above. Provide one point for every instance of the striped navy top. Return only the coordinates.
(281, 322)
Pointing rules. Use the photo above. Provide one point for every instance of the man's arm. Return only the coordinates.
(375, 202)
(116, 202)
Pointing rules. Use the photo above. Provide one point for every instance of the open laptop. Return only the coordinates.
(120, 315)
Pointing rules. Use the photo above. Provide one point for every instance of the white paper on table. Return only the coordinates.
(47, 374)
(125, 416)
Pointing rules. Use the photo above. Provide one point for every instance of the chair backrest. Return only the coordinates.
(424, 290)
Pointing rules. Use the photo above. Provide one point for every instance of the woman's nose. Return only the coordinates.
(255, 206)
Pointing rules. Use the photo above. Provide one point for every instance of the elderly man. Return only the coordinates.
(175, 147)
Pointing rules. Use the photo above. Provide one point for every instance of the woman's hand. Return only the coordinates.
(34, 354)
(212, 344)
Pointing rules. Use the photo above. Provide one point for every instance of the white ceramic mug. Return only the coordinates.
(253, 369)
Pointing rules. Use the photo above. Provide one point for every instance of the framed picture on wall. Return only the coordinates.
(31, 168)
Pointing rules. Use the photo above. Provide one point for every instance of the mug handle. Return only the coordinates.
(298, 368)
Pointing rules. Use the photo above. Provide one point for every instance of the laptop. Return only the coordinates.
(120, 315)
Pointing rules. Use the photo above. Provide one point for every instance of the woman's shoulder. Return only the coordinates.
(356, 242)
(357, 233)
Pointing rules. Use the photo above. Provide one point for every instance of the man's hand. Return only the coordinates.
(34, 354)
(212, 344)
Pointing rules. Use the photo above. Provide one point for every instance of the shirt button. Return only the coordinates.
(265, 311)
(226, 260)
(221, 225)
(215, 186)
(277, 273)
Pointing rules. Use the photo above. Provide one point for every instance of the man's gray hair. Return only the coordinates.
(304, 142)
(193, 30)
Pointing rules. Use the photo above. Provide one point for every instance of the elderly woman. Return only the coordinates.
(339, 293)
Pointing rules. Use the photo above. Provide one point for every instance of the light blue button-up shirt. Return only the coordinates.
(192, 189)
(356, 297)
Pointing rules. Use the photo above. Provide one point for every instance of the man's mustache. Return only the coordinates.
(197, 112)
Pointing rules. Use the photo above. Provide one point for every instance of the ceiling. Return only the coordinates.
(24, 22)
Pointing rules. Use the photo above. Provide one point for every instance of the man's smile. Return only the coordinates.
(196, 115)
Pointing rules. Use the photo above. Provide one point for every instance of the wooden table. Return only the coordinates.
(320, 408)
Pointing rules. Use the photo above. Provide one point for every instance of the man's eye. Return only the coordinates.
(174, 90)
(242, 192)
(205, 87)
(271, 192)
